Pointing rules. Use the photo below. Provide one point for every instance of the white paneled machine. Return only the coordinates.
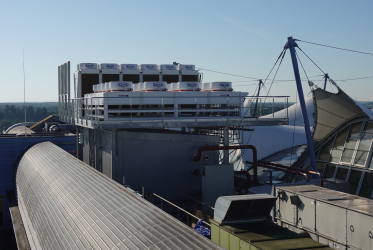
(110, 95)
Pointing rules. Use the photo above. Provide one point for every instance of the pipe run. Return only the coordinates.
(297, 169)
(277, 168)
(197, 157)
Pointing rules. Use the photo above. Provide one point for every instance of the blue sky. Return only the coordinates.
(236, 37)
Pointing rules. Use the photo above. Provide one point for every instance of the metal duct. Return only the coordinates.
(66, 204)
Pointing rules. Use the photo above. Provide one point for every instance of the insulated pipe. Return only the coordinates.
(197, 157)
(297, 169)
(277, 168)
(248, 179)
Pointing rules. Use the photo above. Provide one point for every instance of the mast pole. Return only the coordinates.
(326, 79)
(257, 96)
(291, 45)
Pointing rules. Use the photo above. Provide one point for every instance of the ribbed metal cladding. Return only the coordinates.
(66, 204)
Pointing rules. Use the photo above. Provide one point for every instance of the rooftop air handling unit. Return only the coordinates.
(149, 73)
(95, 88)
(185, 86)
(101, 87)
(118, 86)
(109, 72)
(169, 73)
(130, 73)
(153, 86)
(86, 76)
(188, 73)
(217, 86)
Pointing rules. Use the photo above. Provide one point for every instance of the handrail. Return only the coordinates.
(94, 114)
(80, 98)
(297, 169)
(180, 209)
(277, 168)
(199, 201)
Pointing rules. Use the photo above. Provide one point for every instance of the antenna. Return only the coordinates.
(24, 88)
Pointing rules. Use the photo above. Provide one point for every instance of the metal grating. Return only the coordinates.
(66, 204)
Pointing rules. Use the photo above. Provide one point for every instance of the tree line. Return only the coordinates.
(11, 114)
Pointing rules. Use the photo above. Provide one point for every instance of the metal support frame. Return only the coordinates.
(326, 79)
(226, 143)
(257, 97)
(291, 46)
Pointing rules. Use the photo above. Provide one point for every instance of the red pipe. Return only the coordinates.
(297, 169)
(248, 179)
(277, 168)
(197, 157)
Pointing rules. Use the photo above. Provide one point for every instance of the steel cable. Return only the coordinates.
(355, 51)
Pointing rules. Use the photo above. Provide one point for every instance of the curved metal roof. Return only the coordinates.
(66, 204)
(269, 140)
(20, 129)
(332, 111)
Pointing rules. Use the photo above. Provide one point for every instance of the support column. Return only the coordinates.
(326, 79)
(256, 103)
(114, 155)
(226, 143)
(291, 46)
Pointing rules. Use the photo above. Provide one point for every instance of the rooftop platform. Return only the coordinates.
(162, 109)
(178, 123)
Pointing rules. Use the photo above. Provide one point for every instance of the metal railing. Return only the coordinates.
(179, 209)
(82, 110)
(200, 203)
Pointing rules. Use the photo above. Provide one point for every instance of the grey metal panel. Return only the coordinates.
(360, 230)
(217, 180)
(306, 213)
(342, 219)
(86, 145)
(131, 160)
(286, 210)
(66, 204)
(331, 221)
(162, 162)
(106, 152)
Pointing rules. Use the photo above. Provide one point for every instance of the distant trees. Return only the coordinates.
(11, 114)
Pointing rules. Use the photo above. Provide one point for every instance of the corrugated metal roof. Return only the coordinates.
(66, 204)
